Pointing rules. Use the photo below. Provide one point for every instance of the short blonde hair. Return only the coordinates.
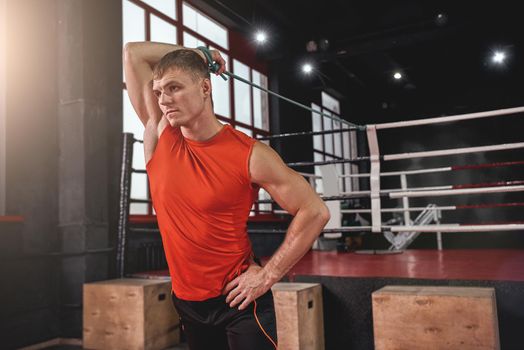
(184, 59)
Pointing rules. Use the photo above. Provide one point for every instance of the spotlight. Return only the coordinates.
(307, 68)
(397, 76)
(260, 37)
(441, 19)
(498, 57)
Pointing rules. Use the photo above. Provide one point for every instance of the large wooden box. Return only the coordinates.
(129, 313)
(299, 313)
(415, 317)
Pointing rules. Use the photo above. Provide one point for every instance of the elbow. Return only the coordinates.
(126, 53)
(324, 214)
(129, 51)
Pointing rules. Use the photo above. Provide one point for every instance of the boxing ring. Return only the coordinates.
(429, 219)
(376, 193)
(348, 278)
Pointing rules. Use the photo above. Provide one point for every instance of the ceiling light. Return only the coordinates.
(441, 19)
(397, 76)
(260, 37)
(499, 57)
(307, 68)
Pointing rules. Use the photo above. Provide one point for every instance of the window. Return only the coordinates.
(2, 108)
(236, 103)
(260, 102)
(242, 94)
(191, 41)
(133, 22)
(221, 91)
(331, 146)
(167, 7)
(139, 185)
(205, 26)
(251, 103)
(330, 103)
(162, 31)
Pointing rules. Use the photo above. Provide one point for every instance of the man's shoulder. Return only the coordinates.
(242, 137)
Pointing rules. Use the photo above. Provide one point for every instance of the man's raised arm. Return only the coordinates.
(139, 59)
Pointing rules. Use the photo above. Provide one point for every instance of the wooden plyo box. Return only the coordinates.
(299, 313)
(129, 313)
(416, 317)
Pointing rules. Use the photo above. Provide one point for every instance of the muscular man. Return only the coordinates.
(204, 177)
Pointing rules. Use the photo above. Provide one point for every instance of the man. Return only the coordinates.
(204, 178)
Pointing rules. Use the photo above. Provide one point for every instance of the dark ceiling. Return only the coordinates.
(446, 60)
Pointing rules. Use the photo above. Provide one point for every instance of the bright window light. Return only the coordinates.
(307, 68)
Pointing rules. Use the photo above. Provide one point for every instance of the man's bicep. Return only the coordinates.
(292, 193)
(286, 187)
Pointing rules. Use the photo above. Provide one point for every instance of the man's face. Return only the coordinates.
(181, 96)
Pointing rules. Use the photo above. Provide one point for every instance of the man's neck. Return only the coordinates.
(202, 129)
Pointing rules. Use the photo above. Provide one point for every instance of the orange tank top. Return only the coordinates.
(202, 195)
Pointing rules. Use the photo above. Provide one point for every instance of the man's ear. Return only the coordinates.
(206, 87)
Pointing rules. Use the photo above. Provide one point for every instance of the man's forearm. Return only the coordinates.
(152, 52)
(302, 232)
(149, 52)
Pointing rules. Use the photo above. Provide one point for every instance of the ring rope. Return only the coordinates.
(453, 151)
(334, 161)
(414, 228)
(391, 173)
(424, 154)
(457, 228)
(450, 118)
(441, 208)
(396, 228)
(454, 192)
(305, 133)
(442, 169)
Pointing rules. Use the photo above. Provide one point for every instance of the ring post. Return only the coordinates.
(374, 181)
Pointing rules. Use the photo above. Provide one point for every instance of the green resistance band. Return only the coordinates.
(214, 67)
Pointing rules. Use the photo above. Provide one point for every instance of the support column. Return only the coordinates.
(89, 121)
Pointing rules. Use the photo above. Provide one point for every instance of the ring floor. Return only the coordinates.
(454, 264)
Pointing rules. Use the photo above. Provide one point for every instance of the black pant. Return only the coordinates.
(213, 325)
